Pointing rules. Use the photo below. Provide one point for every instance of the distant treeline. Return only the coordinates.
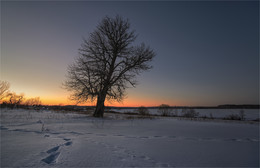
(226, 106)
(243, 106)
(80, 108)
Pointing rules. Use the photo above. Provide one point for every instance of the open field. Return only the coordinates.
(46, 138)
(250, 114)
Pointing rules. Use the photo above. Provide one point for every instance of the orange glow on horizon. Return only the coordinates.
(125, 103)
(60, 97)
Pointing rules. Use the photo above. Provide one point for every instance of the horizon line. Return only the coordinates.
(171, 106)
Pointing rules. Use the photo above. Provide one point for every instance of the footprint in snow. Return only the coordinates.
(66, 139)
(3, 128)
(68, 143)
(101, 134)
(163, 165)
(157, 136)
(54, 153)
(53, 149)
(144, 137)
(145, 157)
(51, 158)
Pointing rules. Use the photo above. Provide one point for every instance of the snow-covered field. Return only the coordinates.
(47, 139)
(250, 114)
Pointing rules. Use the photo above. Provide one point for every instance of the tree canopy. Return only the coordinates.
(107, 64)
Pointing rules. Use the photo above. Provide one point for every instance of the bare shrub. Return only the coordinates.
(232, 117)
(242, 114)
(175, 112)
(164, 109)
(4, 89)
(189, 113)
(143, 111)
(211, 116)
(33, 102)
(14, 100)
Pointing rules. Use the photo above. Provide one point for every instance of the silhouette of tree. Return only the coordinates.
(164, 109)
(15, 99)
(4, 89)
(144, 111)
(33, 102)
(107, 64)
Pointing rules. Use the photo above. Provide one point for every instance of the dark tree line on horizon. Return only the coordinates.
(12, 99)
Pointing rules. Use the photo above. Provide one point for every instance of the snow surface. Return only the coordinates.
(49, 139)
(250, 114)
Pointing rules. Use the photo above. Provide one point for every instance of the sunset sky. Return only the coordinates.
(207, 52)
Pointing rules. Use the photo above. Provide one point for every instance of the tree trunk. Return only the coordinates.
(100, 107)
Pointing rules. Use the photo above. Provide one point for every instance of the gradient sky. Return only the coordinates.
(207, 52)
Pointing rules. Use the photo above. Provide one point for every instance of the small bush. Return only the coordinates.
(211, 116)
(143, 111)
(175, 113)
(164, 110)
(232, 117)
(242, 114)
(190, 113)
(204, 117)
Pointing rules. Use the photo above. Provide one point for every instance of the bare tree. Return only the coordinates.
(14, 99)
(107, 64)
(144, 111)
(4, 89)
(33, 102)
(164, 109)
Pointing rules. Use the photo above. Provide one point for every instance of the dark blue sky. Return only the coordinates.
(207, 52)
